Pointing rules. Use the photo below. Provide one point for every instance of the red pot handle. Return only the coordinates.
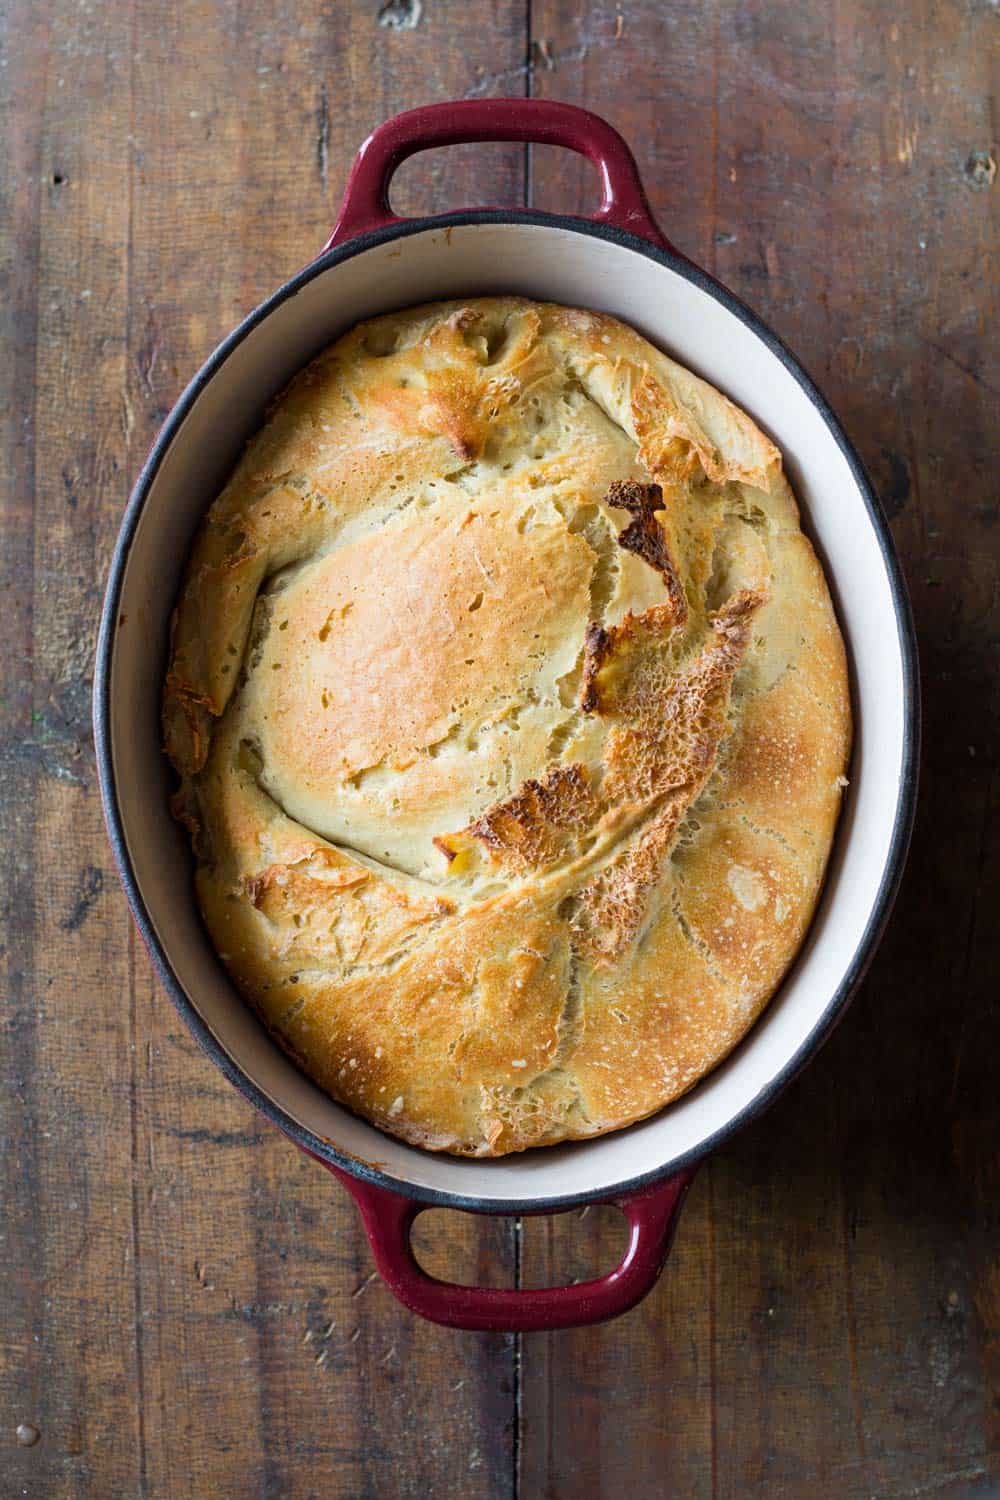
(542, 121)
(652, 1217)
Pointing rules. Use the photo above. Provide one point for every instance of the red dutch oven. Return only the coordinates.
(619, 261)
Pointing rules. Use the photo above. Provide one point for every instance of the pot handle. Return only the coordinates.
(652, 1217)
(543, 121)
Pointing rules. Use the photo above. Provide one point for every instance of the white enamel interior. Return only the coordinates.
(558, 263)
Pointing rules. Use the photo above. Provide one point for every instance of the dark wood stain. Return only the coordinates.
(189, 1307)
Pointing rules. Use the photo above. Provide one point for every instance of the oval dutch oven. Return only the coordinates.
(619, 261)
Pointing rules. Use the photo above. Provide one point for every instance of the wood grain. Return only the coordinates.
(191, 1310)
(821, 161)
(189, 1307)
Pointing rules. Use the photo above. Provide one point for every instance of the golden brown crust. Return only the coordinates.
(511, 718)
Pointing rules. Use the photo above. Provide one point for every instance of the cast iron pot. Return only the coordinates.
(618, 261)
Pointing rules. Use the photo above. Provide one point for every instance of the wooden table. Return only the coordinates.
(188, 1303)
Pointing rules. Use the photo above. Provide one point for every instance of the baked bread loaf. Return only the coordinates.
(511, 719)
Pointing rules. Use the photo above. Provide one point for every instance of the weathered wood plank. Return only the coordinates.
(193, 1310)
(67, 1368)
(824, 163)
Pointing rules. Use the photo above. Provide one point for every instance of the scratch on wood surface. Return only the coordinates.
(46, 1283)
(906, 143)
(47, 755)
(772, 87)
(251, 1312)
(876, 1487)
(954, 1476)
(544, 57)
(323, 134)
(201, 1136)
(149, 352)
(971, 374)
(127, 418)
(201, 1276)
